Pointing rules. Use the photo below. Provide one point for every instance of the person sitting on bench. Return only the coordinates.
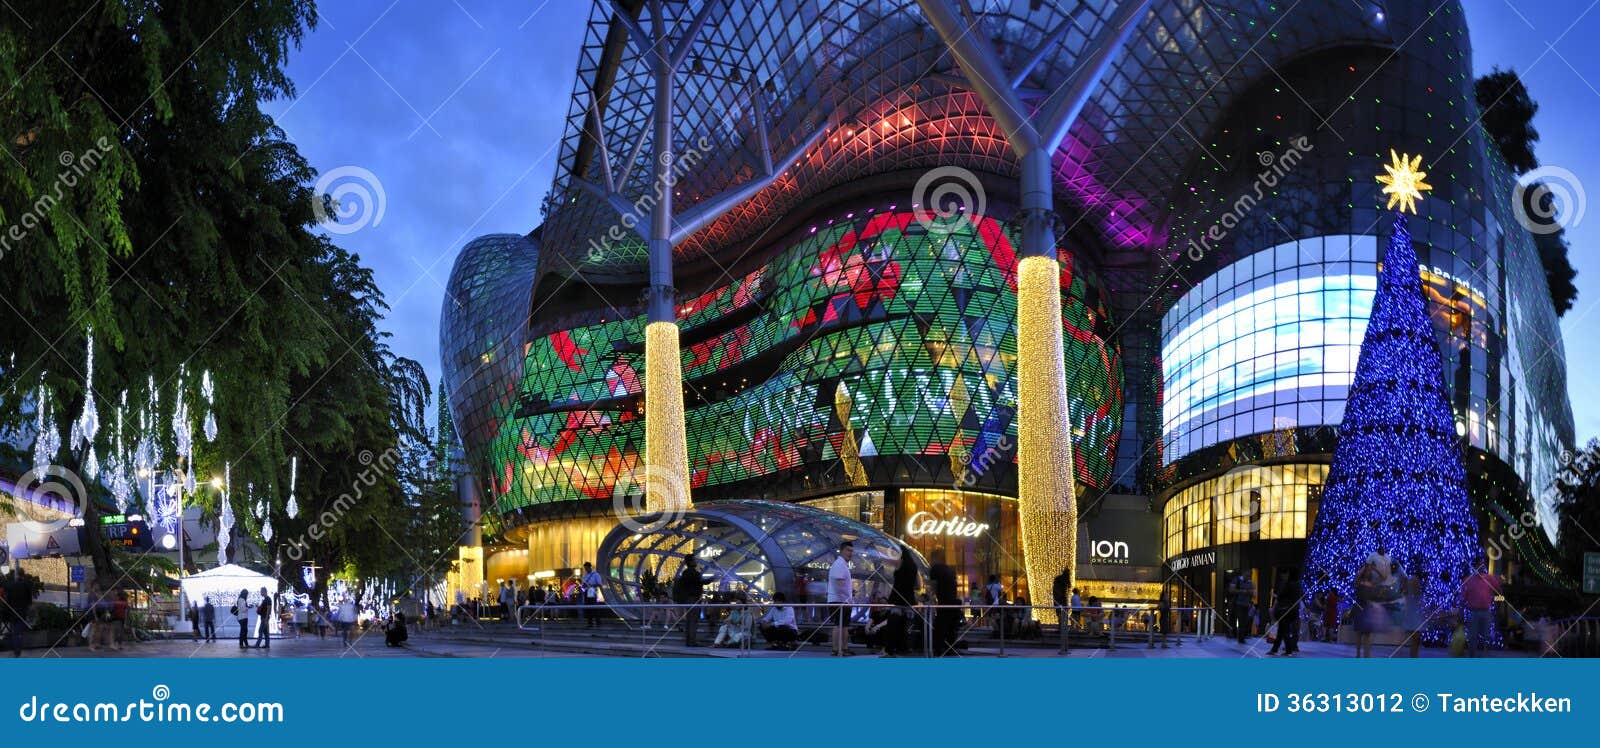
(778, 626)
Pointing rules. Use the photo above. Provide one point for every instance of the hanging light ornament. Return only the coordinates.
(166, 512)
(208, 389)
(148, 453)
(47, 441)
(266, 530)
(293, 507)
(183, 434)
(225, 518)
(88, 424)
(118, 463)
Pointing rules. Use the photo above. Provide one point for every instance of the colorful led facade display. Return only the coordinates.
(869, 341)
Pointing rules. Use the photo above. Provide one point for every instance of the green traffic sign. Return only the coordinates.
(1591, 573)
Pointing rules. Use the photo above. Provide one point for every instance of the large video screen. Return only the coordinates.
(1269, 342)
(869, 340)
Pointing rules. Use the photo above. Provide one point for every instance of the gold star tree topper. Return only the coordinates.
(1403, 184)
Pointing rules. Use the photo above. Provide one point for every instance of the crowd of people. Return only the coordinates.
(1387, 603)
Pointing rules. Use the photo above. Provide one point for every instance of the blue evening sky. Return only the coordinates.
(457, 109)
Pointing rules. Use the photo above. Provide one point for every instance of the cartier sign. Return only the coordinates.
(923, 523)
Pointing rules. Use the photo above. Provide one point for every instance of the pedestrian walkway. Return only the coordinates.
(615, 639)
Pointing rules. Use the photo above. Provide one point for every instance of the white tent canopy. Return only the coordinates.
(221, 586)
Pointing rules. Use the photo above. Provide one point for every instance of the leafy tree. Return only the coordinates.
(156, 204)
(148, 199)
(1508, 113)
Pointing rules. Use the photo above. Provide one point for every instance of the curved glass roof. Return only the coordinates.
(877, 77)
(749, 550)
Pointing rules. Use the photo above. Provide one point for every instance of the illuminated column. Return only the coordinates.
(1047, 509)
(666, 449)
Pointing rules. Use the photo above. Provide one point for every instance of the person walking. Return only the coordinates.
(208, 620)
(1164, 617)
(241, 612)
(687, 590)
(947, 616)
(994, 597)
(119, 618)
(1244, 592)
(1369, 614)
(840, 597)
(18, 593)
(903, 596)
(1059, 588)
(591, 596)
(1286, 613)
(347, 621)
(193, 614)
(1413, 618)
(264, 621)
(1478, 592)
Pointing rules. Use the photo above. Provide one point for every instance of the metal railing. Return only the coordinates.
(942, 629)
(1576, 637)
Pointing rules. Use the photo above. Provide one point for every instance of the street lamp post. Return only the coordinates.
(175, 488)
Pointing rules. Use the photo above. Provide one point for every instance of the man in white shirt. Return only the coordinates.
(840, 597)
(591, 595)
(778, 625)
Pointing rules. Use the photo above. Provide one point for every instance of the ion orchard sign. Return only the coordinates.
(1108, 552)
(923, 523)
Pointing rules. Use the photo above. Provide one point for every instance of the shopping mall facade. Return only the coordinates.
(1218, 230)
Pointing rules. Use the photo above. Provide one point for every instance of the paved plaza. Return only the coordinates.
(490, 640)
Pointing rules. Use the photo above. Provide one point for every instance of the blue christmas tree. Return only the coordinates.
(1397, 479)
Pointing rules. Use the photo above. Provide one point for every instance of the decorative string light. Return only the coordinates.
(225, 517)
(208, 390)
(666, 450)
(293, 507)
(47, 439)
(119, 463)
(87, 426)
(1047, 505)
